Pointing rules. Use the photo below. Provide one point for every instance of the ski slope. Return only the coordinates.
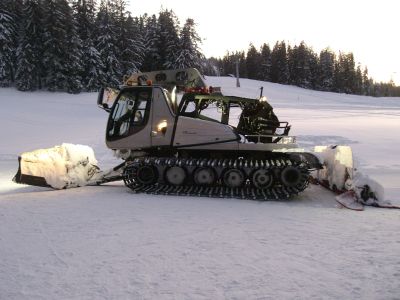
(104, 242)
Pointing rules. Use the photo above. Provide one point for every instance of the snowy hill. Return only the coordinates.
(107, 243)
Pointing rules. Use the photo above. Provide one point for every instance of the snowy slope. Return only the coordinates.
(107, 243)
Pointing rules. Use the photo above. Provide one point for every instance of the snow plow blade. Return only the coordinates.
(28, 179)
(59, 167)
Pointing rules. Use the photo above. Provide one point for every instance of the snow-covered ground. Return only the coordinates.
(107, 243)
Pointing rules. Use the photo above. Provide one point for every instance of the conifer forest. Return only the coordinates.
(82, 45)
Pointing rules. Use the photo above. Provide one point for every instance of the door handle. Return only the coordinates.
(153, 133)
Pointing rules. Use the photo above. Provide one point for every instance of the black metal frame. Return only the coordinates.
(230, 101)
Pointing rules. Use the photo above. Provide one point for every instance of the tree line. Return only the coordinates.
(81, 45)
(78, 45)
(300, 65)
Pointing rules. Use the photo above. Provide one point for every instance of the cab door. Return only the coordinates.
(163, 119)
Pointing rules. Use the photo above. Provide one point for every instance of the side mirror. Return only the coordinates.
(106, 98)
(100, 99)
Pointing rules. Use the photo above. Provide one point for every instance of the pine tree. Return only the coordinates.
(118, 15)
(345, 74)
(94, 75)
(292, 64)
(300, 59)
(327, 69)
(305, 57)
(106, 43)
(132, 54)
(92, 66)
(16, 9)
(366, 82)
(212, 67)
(29, 53)
(338, 81)
(189, 54)
(347, 70)
(167, 39)
(313, 62)
(228, 64)
(241, 57)
(358, 81)
(151, 57)
(265, 63)
(73, 62)
(54, 53)
(350, 73)
(8, 33)
(279, 63)
(61, 52)
(84, 14)
(53, 46)
(253, 63)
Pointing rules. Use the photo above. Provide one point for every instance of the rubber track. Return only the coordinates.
(247, 191)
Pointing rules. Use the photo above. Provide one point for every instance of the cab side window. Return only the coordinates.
(130, 113)
(140, 108)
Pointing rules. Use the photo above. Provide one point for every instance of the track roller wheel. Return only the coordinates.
(130, 175)
(233, 178)
(293, 177)
(262, 179)
(204, 176)
(175, 175)
(147, 174)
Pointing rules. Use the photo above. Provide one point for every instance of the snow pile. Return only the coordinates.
(62, 166)
(361, 180)
(340, 173)
(338, 166)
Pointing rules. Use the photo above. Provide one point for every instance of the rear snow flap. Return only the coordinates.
(59, 167)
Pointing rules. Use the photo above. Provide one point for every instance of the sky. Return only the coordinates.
(368, 28)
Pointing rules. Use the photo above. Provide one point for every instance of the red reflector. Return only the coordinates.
(198, 90)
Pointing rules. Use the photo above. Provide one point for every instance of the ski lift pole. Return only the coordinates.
(237, 74)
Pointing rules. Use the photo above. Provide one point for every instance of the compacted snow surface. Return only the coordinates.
(103, 242)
